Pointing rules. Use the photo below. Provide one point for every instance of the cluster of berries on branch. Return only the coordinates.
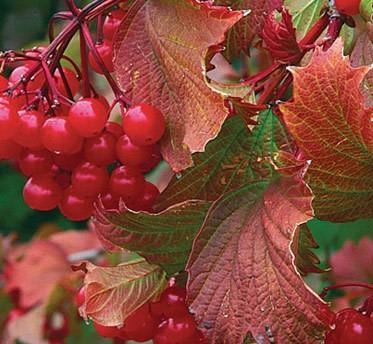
(58, 130)
(167, 321)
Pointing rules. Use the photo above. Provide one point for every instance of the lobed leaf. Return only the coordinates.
(158, 60)
(114, 293)
(331, 126)
(242, 277)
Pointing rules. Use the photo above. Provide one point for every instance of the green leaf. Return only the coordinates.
(164, 239)
(305, 14)
(233, 159)
(114, 293)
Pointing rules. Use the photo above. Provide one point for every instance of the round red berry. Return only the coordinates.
(35, 162)
(28, 133)
(173, 302)
(351, 327)
(57, 135)
(114, 128)
(107, 331)
(109, 201)
(20, 72)
(42, 193)
(112, 22)
(75, 207)
(348, 7)
(127, 182)
(9, 150)
(3, 83)
(105, 51)
(80, 297)
(182, 330)
(8, 121)
(100, 150)
(71, 79)
(144, 124)
(88, 180)
(87, 117)
(146, 200)
(68, 162)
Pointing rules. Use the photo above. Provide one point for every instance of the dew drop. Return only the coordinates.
(178, 175)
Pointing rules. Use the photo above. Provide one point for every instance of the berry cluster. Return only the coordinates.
(167, 321)
(57, 129)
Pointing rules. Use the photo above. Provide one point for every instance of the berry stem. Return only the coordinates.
(84, 64)
(345, 285)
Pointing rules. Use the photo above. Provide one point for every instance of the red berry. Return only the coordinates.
(132, 155)
(9, 150)
(109, 201)
(112, 23)
(28, 133)
(146, 200)
(14, 314)
(181, 330)
(8, 121)
(140, 326)
(34, 84)
(351, 327)
(348, 7)
(173, 302)
(87, 117)
(71, 79)
(107, 331)
(56, 327)
(100, 150)
(63, 178)
(80, 297)
(75, 207)
(88, 180)
(42, 193)
(127, 182)
(35, 162)
(102, 99)
(68, 162)
(3, 83)
(144, 124)
(57, 135)
(114, 128)
(105, 50)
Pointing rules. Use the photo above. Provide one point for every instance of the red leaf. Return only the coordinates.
(353, 263)
(331, 126)
(280, 38)
(242, 275)
(242, 34)
(158, 59)
(37, 272)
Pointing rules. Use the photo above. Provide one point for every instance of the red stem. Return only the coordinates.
(84, 63)
(344, 285)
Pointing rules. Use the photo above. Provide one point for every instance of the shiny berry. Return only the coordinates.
(9, 150)
(80, 297)
(34, 163)
(146, 200)
(107, 331)
(28, 133)
(35, 82)
(144, 124)
(140, 326)
(8, 121)
(105, 51)
(348, 7)
(132, 155)
(182, 330)
(57, 135)
(75, 207)
(42, 193)
(109, 200)
(3, 83)
(112, 23)
(100, 150)
(71, 80)
(173, 302)
(87, 117)
(88, 180)
(351, 327)
(68, 162)
(127, 182)
(114, 128)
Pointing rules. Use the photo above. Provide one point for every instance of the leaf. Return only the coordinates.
(27, 328)
(363, 55)
(306, 260)
(353, 262)
(280, 38)
(164, 239)
(331, 126)
(230, 161)
(305, 13)
(37, 272)
(242, 277)
(242, 34)
(114, 293)
(73, 242)
(158, 60)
